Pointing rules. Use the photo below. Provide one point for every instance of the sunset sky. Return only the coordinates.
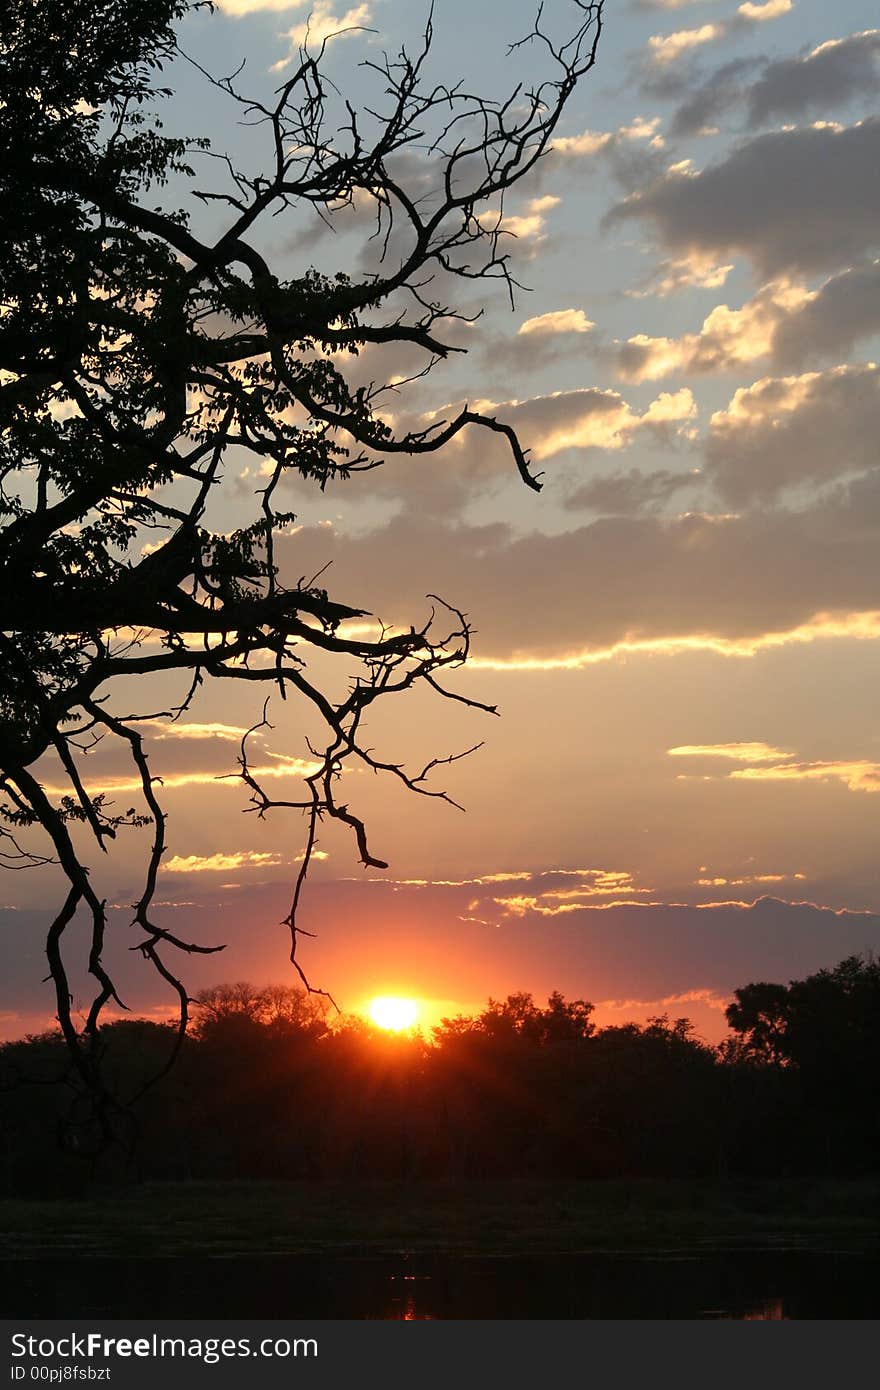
(681, 631)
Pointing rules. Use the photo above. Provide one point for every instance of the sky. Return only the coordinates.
(681, 631)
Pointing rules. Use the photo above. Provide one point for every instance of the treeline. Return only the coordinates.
(266, 1088)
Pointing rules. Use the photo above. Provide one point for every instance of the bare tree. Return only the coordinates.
(135, 353)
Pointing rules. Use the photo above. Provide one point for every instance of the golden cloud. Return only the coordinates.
(667, 47)
(166, 730)
(595, 141)
(557, 321)
(107, 786)
(739, 752)
(213, 863)
(862, 626)
(235, 859)
(728, 337)
(856, 776)
(322, 24)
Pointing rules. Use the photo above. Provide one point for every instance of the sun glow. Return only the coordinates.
(391, 1012)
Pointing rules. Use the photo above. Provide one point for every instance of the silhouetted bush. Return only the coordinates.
(266, 1088)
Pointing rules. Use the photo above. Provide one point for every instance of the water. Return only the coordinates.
(745, 1284)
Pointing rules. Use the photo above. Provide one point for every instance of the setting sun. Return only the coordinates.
(395, 1014)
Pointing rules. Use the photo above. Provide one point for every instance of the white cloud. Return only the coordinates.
(771, 9)
(728, 337)
(591, 142)
(590, 419)
(693, 271)
(322, 24)
(558, 321)
(666, 48)
(240, 9)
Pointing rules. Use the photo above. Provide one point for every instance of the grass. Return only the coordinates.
(238, 1218)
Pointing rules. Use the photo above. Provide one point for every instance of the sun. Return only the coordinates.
(393, 1013)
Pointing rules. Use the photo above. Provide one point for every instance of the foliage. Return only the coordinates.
(265, 1089)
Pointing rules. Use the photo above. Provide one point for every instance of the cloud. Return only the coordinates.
(769, 9)
(222, 863)
(711, 98)
(860, 626)
(320, 26)
(557, 901)
(216, 863)
(633, 153)
(503, 876)
(110, 785)
(240, 9)
(735, 585)
(757, 880)
(838, 71)
(668, 48)
(728, 338)
(586, 419)
(557, 321)
(833, 75)
(767, 764)
(528, 227)
(164, 729)
(856, 776)
(693, 271)
(677, 949)
(590, 418)
(738, 752)
(553, 891)
(831, 320)
(591, 142)
(800, 222)
(785, 431)
(784, 322)
(625, 494)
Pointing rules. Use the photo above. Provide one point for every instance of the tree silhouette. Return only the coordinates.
(544, 1093)
(135, 353)
(829, 1022)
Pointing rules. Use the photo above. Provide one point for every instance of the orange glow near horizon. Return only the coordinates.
(393, 1013)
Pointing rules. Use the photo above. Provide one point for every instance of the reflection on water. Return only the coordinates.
(772, 1311)
(769, 1285)
(404, 1304)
